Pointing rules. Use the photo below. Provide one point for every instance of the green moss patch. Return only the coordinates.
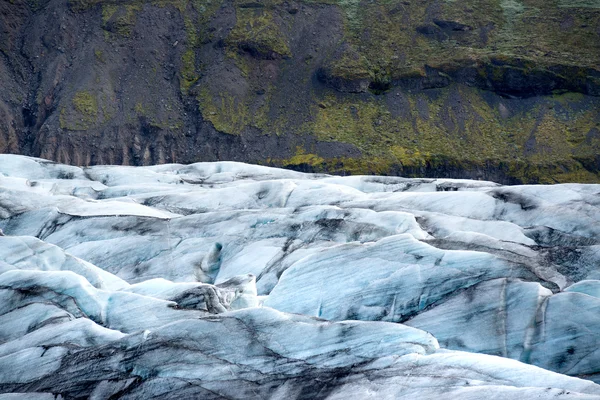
(82, 115)
(227, 114)
(86, 105)
(257, 33)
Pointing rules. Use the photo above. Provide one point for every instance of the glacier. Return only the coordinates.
(227, 280)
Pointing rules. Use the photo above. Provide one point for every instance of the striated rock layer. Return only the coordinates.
(503, 90)
(228, 280)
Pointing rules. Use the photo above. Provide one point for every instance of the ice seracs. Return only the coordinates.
(229, 280)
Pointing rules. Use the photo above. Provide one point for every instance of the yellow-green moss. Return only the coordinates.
(154, 118)
(227, 114)
(62, 119)
(83, 114)
(256, 29)
(195, 14)
(232, 113)
(139, 108)
(568, 98)
(516, 170)
(86, 104)
(99, 55)
(350, 64)
(484, 139)
(126, 16)
(108, 10)
(386, 37)
(303, 158)
(188, 70)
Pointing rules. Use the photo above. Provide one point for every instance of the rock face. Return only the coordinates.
(504, 90)
(228, 280)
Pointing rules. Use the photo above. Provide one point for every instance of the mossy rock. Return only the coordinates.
(257, 33)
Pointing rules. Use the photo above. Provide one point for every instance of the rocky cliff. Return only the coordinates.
(506, 90)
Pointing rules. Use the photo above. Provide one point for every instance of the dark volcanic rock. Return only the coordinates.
(306, 85)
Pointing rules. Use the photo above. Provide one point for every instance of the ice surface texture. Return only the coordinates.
(226, 280)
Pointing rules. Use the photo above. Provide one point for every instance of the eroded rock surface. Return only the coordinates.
(503, 90)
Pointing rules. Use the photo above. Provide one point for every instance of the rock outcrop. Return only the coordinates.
(501, 89)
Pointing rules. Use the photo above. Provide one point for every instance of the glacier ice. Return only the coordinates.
(227, 280)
